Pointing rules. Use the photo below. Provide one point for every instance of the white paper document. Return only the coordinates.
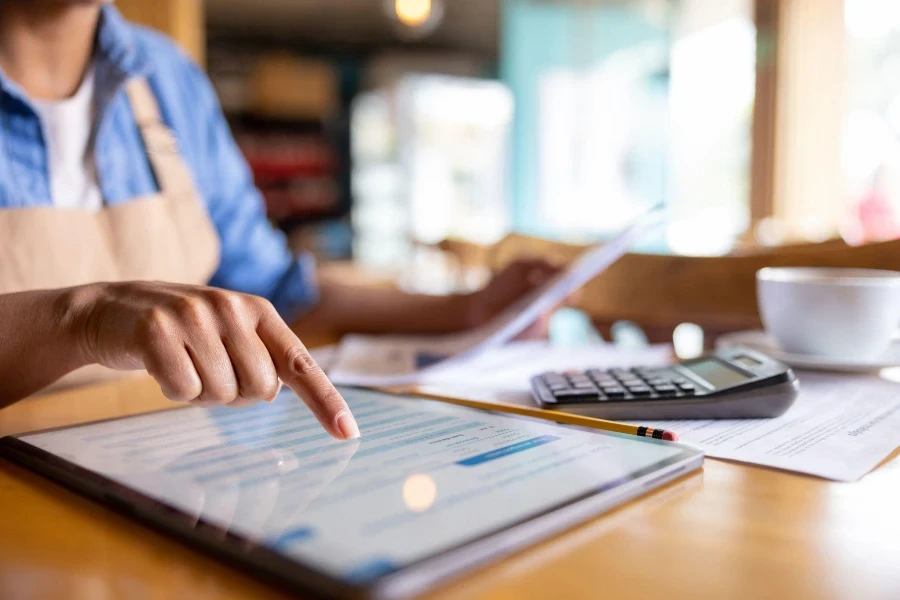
(840, 428)
(400, 360)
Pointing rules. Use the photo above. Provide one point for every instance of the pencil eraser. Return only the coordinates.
(670, 436)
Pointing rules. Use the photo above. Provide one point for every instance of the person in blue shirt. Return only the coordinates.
(132, 236)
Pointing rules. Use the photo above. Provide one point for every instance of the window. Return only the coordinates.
(620, 107)
(871, 142)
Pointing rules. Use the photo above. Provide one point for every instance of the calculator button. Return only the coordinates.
(656, 381)
(666, 391)
(577, 395)
(639, 390)
(614, 392)
(687, 388)
(555, 383)
(595, 373)
(584, 385)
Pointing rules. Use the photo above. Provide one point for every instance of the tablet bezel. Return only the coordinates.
(301, 577)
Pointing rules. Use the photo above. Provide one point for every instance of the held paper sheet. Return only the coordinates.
(400, 360)
(840, 428)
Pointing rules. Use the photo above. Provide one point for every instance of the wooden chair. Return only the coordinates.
(659, 292)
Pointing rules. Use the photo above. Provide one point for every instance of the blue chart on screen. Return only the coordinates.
(507, 450)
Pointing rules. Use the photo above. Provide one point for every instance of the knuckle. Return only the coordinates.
(227, 304)
(192, 311)
(154, 325)
(300, 362)
(263, 306)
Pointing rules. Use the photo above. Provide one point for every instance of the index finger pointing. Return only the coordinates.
(300, 372)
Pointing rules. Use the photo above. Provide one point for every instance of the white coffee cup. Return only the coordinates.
(838, 313)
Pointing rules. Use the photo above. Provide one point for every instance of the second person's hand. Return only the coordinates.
(204, 345)
(511, 285)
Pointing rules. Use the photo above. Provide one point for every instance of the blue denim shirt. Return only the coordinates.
(255, 257)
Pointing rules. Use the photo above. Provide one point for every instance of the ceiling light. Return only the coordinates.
(412, 13)
(415, 18)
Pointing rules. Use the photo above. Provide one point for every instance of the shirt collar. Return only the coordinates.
(116, 45)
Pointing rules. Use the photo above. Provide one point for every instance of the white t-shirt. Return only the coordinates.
(67, 126)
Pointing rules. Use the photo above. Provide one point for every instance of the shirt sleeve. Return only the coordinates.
(255, 256)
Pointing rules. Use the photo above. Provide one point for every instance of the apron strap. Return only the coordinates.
(172, 176)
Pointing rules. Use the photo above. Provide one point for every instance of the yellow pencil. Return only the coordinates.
(558, 417)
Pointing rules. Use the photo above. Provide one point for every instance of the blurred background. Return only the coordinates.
(376, 129)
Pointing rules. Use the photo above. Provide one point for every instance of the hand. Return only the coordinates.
(205, 346)
(509, 285)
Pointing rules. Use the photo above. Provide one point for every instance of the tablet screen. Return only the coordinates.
(424, 477)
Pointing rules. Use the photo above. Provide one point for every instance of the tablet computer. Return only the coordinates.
(430, 488)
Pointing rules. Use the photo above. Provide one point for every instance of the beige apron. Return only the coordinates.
(166, 236)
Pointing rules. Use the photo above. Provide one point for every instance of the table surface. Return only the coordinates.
(730, 531)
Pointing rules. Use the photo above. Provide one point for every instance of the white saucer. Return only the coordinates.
(758, 340)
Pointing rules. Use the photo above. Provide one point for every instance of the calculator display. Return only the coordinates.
(716, 373)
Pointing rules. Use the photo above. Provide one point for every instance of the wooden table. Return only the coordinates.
(732, 531)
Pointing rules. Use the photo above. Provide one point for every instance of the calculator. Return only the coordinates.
(732, 383)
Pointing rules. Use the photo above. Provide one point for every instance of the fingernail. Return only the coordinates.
(201, 403)
(275, 395)
(346, 424)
